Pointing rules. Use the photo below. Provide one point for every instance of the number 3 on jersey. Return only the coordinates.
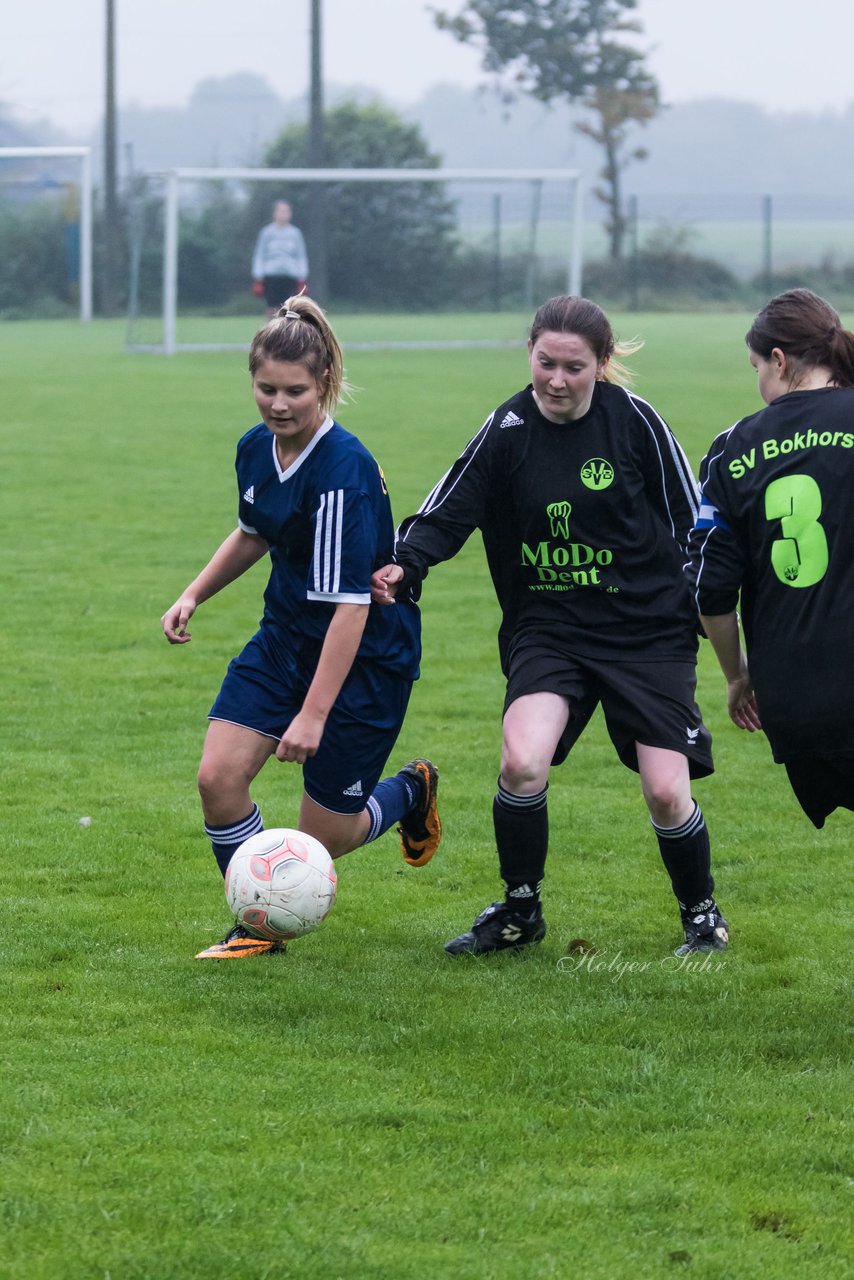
(800, 558)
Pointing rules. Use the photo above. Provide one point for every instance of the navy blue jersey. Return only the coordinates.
(327, 519)
(775, 538)
(584, 524)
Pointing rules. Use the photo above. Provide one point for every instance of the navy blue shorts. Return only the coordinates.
(265, 687)
(648, 702)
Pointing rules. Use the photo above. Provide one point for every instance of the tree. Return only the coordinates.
(571, 50)
(387, 243)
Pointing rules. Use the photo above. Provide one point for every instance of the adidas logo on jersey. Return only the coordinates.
(355, 790)
(249, 495)
(511, 420)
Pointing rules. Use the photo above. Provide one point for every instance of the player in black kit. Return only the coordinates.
(776, 528)
(585, 502)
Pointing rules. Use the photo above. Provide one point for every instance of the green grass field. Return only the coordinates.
(364, 1106)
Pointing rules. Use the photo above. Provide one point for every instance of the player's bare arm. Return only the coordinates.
(239, 552)
(723, 633)
(340, 646)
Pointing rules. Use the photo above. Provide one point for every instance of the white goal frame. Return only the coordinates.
(175, 177)
(84, 155)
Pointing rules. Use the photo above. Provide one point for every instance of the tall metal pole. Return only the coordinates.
(496, 250)
(634, 260)
(767, 261)
(170, 266)
(573, 281)
(316, 231)
(109, 295)
(86, 239)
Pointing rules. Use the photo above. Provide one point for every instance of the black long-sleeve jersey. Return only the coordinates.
(776, 530)
(585, 526)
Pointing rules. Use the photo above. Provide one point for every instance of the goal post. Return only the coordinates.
(84, 155)
(569, 216)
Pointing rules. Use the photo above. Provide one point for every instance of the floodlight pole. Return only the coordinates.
(317, 159)
(170, 266)
(575, 256)
(86, 236)
(111, 201)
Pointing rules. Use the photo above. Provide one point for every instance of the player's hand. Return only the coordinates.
(741, 704)
(384, 583)
(174, 621)
(258, 288)
(301, 738)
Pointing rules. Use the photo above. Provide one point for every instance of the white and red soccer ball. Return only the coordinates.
(280, 884)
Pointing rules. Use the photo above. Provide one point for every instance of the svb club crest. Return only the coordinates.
(597, 473)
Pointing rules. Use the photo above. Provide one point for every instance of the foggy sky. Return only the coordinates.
(783, 55)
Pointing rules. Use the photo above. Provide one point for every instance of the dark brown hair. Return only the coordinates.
(299, 333)
(808, 331)
(567, 313)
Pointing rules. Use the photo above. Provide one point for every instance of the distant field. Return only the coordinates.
(364, 1107)
(739, 245)
(735, 242)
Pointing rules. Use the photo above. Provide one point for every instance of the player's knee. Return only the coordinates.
(206, 780)
(216, 782)
(666, 802)
(519, 772)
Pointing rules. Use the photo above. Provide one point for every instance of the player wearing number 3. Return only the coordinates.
(775, 527)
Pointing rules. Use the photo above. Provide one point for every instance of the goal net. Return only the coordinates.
(397, 257)
(46, 230)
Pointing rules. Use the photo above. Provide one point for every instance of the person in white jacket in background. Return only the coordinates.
(280, 260)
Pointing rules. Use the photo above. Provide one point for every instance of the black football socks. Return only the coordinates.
(522, 838)
(686, 854)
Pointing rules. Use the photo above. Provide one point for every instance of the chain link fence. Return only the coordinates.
(719, 248)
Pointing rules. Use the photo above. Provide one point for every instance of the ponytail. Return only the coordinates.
(300, 333)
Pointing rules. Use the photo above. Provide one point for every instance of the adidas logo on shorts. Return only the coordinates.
(355, 790)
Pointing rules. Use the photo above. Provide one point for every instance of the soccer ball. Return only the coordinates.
(280, 884)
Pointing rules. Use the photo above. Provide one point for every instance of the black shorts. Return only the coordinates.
(822, 784)
(648, 702)
(278, 288)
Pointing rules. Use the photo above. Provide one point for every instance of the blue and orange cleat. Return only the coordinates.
(420, 831)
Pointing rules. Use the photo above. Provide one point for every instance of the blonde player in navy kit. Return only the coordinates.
(325, 681)
(776, 536)
(585, 502)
